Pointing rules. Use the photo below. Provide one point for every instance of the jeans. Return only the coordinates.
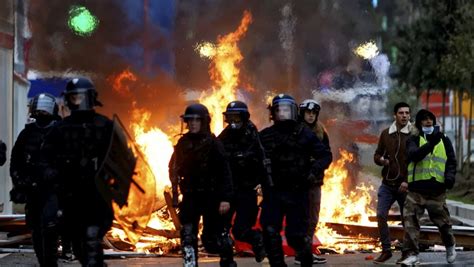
(386, 196)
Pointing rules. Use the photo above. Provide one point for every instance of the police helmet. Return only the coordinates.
(309, 104)
(43, 102)
(283, 108)
(196, 111)
(236, 108)
(80, 94)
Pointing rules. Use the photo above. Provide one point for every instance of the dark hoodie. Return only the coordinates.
(415, 153)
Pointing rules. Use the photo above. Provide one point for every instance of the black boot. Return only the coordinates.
(226, 251)
(93, 247)
(273, 247)
(189, 256)
(50, 247)
(258, 246)
(189, 246)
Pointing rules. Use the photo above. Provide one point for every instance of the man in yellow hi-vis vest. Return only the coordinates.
(431, 170)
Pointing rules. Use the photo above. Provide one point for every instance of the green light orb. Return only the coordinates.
(81, 21)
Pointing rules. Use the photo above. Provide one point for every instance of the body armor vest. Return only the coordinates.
(290, 162)
(29, 172)
(85, 145)
(243, 153)
(193, 164)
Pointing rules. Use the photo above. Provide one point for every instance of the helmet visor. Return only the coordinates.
(232, 117)
(188, 117)
(284, 111)
(80, 100)
(45, 103)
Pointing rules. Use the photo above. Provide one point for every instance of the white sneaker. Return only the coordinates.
(411, 260)
(451, 254)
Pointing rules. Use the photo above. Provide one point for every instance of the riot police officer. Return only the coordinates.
(200, 167)
(243, 148)
(30, 186)
(308, 115)
(80, 143)
(298, 158)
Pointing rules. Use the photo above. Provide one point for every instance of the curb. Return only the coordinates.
(461, 211)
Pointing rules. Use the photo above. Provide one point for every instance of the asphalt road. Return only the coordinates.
(465, 258)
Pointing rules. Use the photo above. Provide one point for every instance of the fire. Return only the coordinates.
(367, 50)
(155, 144)
(118, 83)
(356, 203)
(224, 71)
(337, 206)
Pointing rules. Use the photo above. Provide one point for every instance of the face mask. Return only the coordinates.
(427, 130)
(43, 121)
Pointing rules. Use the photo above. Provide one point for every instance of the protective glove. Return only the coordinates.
(434, 138)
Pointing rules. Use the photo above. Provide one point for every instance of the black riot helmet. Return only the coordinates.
(198, 111)
(236, 114)
(80, 94)
(43, 103)
(283, 108)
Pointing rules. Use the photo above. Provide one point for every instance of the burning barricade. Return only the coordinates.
(161, 232)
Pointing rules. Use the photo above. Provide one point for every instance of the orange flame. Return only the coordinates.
(118, 83)
(157, 148)
(224, 71)
(155, 145)
(339, 207)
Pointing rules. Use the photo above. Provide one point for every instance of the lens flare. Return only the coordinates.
(81, 21)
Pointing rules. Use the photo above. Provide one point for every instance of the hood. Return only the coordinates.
(423, 114)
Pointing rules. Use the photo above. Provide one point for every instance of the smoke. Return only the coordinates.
(287, 29)
(129, 36)
(287, 49)
(381, 65)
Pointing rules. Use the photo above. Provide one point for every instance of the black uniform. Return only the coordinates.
(298, 157)
(39, 193)
(205, 181)
(80, 143)
(245, 157)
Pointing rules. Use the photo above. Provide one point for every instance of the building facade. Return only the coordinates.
(13, 86)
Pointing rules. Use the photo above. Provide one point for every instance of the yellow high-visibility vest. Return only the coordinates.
(433, 165)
